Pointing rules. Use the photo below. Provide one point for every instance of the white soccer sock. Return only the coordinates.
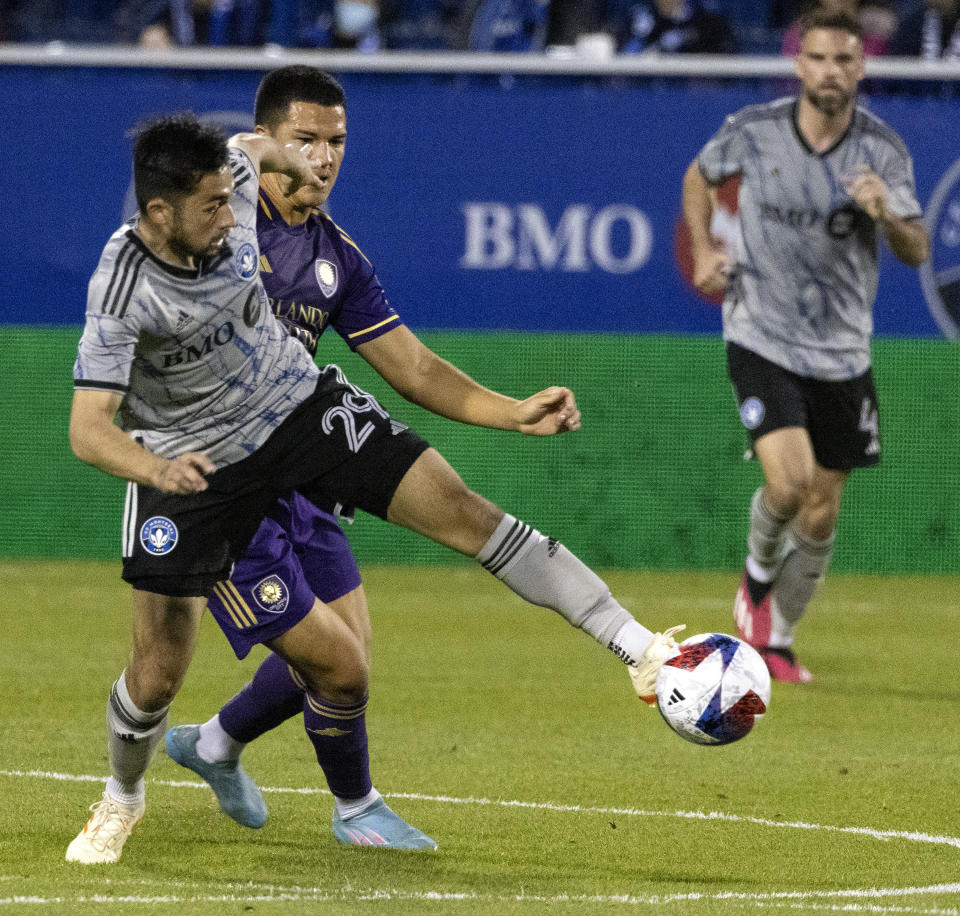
(132, 738)
(542, 571)
(348, 807)
(214, 745)
(631, 641)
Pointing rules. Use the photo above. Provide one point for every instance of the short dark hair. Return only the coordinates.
(820, 18)
(294, 84)
(171, 154)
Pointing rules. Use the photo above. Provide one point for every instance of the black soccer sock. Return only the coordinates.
(757, 590)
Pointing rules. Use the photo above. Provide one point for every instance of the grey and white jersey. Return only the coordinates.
(805, 277)
(201, 360)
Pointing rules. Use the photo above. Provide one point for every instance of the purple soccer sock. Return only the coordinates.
(339, 736)
(272, 697)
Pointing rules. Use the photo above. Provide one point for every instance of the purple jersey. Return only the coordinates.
(316, 277)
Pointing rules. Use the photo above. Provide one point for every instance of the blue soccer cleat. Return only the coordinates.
(236, 792)
(379, 826)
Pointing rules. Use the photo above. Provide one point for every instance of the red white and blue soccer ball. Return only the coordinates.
(715, 690)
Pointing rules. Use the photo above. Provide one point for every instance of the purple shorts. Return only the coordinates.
(297, 553)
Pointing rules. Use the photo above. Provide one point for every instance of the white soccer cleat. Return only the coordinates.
(644, 674)
(102, 838)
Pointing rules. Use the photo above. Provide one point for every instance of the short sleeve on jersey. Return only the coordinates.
(365, 313)
(724, 153)
(897, 173)
(106, 350)
(245, 185)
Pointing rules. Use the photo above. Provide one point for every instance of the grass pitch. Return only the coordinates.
(516, 743)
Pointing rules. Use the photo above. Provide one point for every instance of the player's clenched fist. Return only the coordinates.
(711, 268)
(869, 190)
(548, 412)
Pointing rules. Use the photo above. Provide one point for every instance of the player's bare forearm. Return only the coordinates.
(95, 440)
(268, 155)
(711, 263)
(908, 239)
(697, 207)
(418, 374)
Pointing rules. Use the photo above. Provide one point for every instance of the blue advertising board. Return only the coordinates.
(528, 203)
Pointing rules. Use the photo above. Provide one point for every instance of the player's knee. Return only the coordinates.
(818, 518)
(787, 495)
(346, 681)
(153, 687)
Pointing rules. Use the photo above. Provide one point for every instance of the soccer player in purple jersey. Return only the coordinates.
(178, 346)
(821, 179)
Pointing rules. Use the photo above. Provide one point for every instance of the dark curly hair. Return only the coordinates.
(171, 154)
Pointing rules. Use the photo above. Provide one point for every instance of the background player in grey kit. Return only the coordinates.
(820, 179)
(181, 344)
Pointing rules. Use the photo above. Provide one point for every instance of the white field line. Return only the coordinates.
(910, 836)
(250, 892)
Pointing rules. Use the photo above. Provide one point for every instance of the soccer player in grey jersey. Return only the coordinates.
(820, 179)
(222, 412)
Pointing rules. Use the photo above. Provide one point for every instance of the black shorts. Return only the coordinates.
(339, 448)
(842, 418)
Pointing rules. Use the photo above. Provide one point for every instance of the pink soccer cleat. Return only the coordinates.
(783, 665)
(752, 620)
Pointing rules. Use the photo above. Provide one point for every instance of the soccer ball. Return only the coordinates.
(714, 690)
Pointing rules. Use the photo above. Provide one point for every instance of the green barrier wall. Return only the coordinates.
(655, 479)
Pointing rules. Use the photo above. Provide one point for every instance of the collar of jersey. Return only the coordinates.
(204, 265)
(269, 211)
(803, 141)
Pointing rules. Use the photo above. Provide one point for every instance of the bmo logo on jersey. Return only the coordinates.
(616, 239)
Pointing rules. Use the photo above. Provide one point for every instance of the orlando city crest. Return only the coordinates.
(245, 260)
(327, 277)
(158, 535)
(940, 276)
(272, 594)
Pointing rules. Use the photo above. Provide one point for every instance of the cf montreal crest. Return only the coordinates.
(245, 260)
(158, 535)
(752, 412)
(940, 276)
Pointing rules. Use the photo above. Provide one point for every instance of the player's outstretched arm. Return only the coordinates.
(96, 440)
(415, 372)
(268, 155)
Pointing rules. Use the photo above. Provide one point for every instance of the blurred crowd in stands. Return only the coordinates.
(927, 29)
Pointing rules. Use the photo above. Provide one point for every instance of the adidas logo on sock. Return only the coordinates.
(675, 697)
